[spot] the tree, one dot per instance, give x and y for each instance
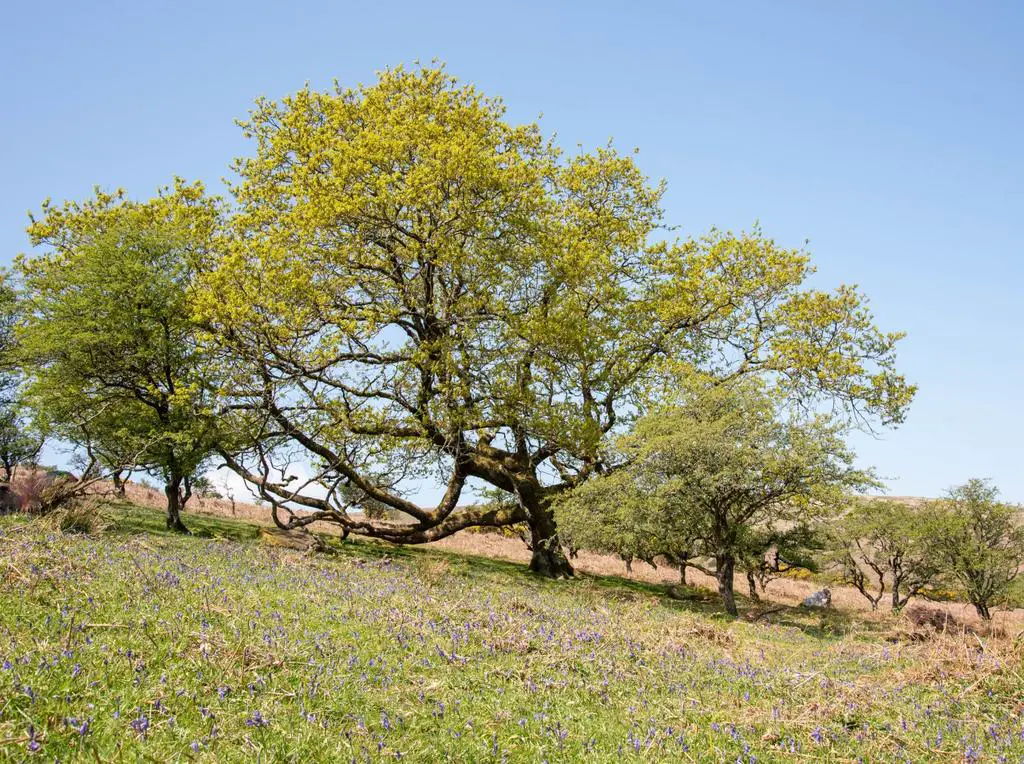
(20, 440)
(771, 550)
(729, 466)
(418, 291)
(978, 541)
(879, 542)
(108, 337)
(625, 514)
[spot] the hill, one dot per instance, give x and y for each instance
(134, 644)
(789, 590)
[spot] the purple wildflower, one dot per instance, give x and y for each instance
(256, 720)
(141, 724)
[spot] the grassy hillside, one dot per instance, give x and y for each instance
(137, 645)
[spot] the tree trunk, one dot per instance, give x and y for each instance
(983, 611)
(118, 483)
(898, 601)
(682, 571)
(174, 504)
(752, 585)
(725, 565)
(548, 559)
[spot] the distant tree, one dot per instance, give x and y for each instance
(726, 464)
(879, 543)
(20, 440)
(419, 290)
(978, 541)
(770, 551)
(108, 339)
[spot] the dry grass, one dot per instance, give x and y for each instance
(82, 515)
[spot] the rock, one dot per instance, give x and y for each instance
(820, 599)
(303, 541)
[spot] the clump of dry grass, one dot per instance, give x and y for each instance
(433, 571)
(79, 516)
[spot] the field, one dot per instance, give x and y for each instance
(137, 645)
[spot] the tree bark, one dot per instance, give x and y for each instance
(898, 601)
(983, 611)
(172, 490)
(118, 483)
(725, 566)
(548, 558)
(752, 585)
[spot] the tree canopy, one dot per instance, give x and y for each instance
(108, 337)
(417, 290)
(978, 542)
(715, 475)
(20, 439)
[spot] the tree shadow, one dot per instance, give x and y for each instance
(129, 519)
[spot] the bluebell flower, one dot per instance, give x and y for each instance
(141, 724)
(256, 719)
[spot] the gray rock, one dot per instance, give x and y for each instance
(819, 599)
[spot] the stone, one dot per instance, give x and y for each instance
(820, 599)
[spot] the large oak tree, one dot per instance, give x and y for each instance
(418, 290)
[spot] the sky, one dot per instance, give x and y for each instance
(888, 136)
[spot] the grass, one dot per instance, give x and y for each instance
(138, 645)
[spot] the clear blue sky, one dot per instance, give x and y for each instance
(888, 134)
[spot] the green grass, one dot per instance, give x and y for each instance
(139, 645)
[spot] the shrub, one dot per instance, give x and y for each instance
(41, 492)
(933, 618)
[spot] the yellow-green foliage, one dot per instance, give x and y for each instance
(418, 281)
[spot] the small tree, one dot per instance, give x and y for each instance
(20, 441)
(879, 543)
(726, 463)
(978, 541)
(623, 514)
(770, 551)
(108, 338)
